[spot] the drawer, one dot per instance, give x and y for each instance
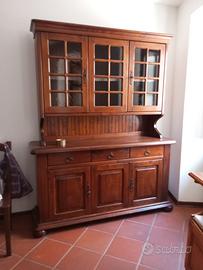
(110, 154)
(68, 158)
(146, 151)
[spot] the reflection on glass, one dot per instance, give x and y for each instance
(101, 68)
(139, 85)
(101, 84)
(74, 83)
(139, 99)
(151, 100)
(101, 52)
(140, 55)
(75, 99)
(116, 84)
(117, 69)
(56, 65)
(57, 83)
(101, 99)
(56, 47)
(116, 53)
(74, 50)
(153, 86)
(154, 56)
(58, 100)
(153, 70)
(140, 70)
(115, 99)
(74, 67)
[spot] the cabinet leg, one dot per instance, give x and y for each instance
(168, 208)
(39, 233)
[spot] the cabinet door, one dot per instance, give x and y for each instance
(64, 73)
(108, 64)
(69, 192)
(146, 75)
(110, 187)
(145, 181)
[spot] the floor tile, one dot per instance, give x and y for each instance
(143, 267)
(111, 263)
(161, 261)
(28, 265)
(134, 230)
(95, 240)
(143, 218)
(79, 259)
(66, 235)
(107, 226)
(7, 262)
(49, 252)
(126, 249)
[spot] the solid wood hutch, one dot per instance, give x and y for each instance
(101, 90)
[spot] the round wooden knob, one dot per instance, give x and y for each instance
(146, 153)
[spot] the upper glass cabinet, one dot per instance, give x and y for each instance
(65, 69)
(146, 76)
(108, 74)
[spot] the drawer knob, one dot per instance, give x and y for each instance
(111, 155)
(146, 153)
(68, 159)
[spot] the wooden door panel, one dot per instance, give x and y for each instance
(145, 184)
(69, 192)
(110, 187)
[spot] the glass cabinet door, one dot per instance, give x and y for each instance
(64, 67)
(146, 77)
(108, 75)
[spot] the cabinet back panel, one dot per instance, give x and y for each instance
(63, 126)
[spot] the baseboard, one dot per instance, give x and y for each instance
(188, 203)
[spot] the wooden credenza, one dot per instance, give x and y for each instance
(101, 90)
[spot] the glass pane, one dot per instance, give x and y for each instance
(75, 99)
(140, 55)
(56, 48)
(101, 84)
(101, 68)
(74, 50)
(56, 65)
(116, 100)
(139, 99)
(153, 70)
(116, 84)
(153, 86)
(74, 67)
(140, 70)
(117, 53)
(139, 85)
(154, 56)
(151, 100)
(58, 100)
(117, 69)
(101, 52)
(57, 83)
(74, 83)
(101, 99)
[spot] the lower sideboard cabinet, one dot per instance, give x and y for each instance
(74, 187)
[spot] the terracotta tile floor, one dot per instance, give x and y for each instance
(136, 242)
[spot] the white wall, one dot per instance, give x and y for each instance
(18, 95)
(186, 124)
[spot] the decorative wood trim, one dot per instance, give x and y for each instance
(77, 29)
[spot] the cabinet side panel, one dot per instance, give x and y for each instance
(165, 172)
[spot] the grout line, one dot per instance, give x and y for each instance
(68, 251)
(181, 256)
(137, 222)
(150, 230)
(121, 259)
(44, 265)
(23, 257)
(169, 229)
(114, 235)
(149, 267)
(90, 229)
